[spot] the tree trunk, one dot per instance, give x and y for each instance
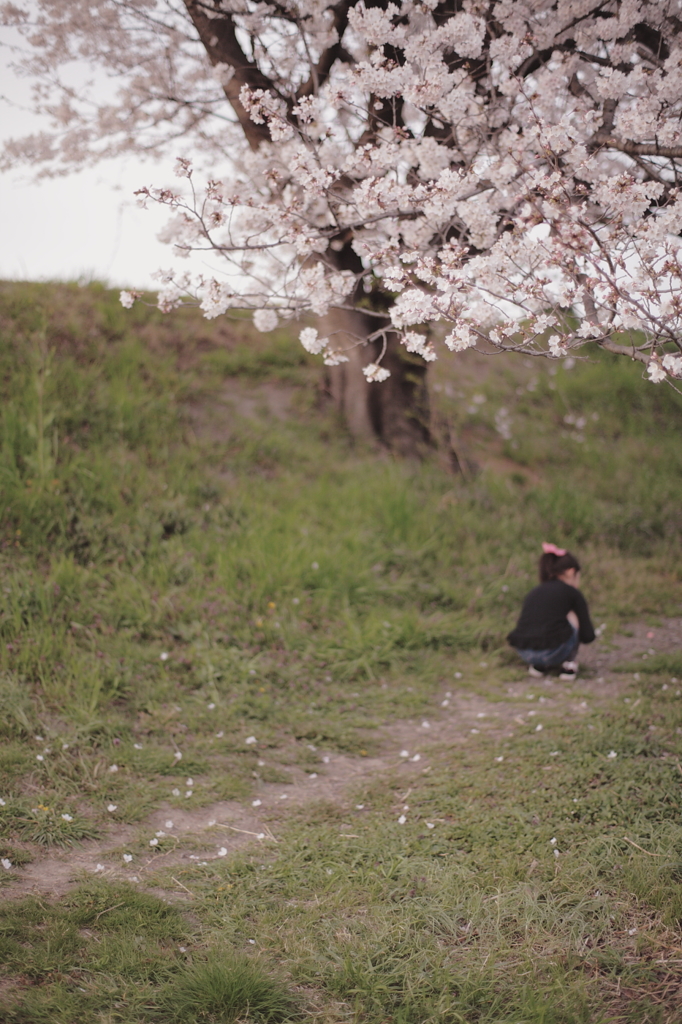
(396, 411)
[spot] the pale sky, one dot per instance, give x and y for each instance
(86, 225)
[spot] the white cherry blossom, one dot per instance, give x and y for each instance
(373, 372)
(265, 320)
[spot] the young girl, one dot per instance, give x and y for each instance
(554, 619)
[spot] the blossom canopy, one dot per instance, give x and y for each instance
(507, 170)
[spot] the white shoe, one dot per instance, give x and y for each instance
(569, 670)
(535, 673)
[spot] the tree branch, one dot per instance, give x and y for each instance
(623, 350)
(635, 148)
(320, 72)
(219, 39)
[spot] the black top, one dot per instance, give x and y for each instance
(543, 625)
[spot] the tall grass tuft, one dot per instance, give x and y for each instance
(227, 988)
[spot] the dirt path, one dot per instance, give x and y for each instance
(404, 746)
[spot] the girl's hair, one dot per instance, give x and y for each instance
(552, 566)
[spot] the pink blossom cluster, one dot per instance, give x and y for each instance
(501, 175)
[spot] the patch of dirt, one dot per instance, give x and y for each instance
(213, 417)
(636, 640)
(404, 747)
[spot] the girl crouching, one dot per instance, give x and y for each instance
(554, 618)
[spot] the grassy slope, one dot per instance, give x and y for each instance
(282, 569)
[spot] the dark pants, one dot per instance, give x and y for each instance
(555, 657)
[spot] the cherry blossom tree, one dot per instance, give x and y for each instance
(414, 176)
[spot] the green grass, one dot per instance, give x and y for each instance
(169, 588)
(655, 664)
(228, 988)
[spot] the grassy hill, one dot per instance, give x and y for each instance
(189, 538)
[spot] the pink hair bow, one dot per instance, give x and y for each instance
(552, 549)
